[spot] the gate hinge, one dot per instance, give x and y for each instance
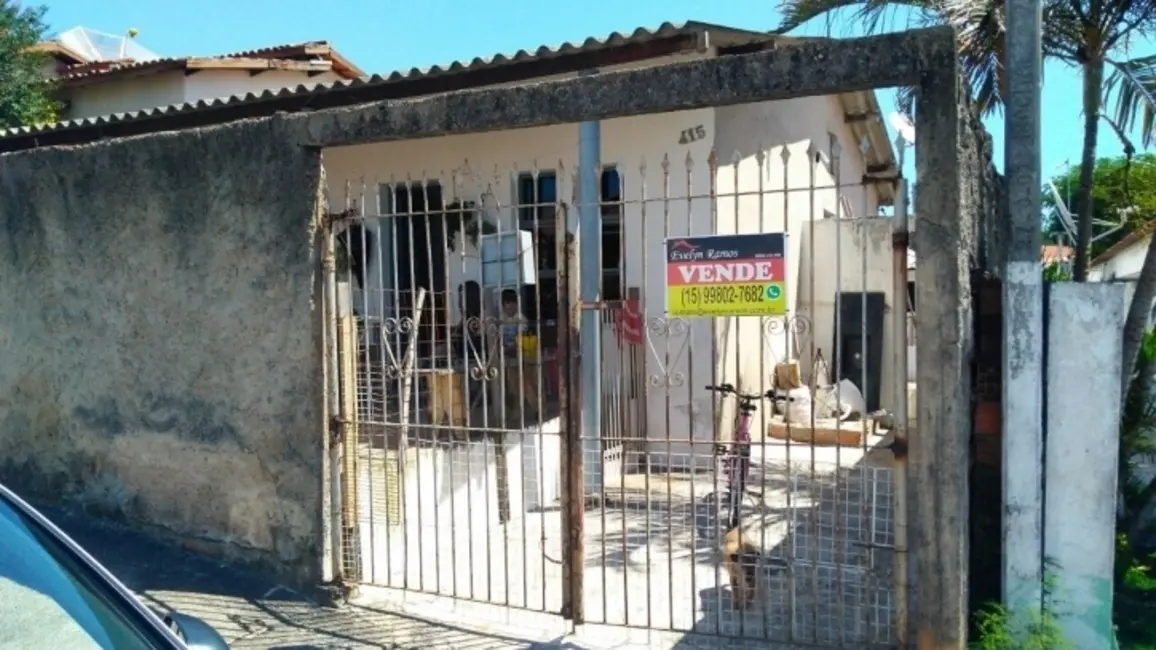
(335, 430)
(334, 218)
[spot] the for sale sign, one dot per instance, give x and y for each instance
(727, 275)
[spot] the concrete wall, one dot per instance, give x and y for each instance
(160, 353)
(1124, 267)
(1083, 420)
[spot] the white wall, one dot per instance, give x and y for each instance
(1124, 265)
(122, 94)
(849, 256)
(794, 137)
(213, 84)
(658, 203)
(126, 94)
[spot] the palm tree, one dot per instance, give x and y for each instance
(1088, 34)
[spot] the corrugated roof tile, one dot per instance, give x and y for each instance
(615, 39)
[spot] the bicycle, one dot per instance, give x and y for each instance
(736, 456)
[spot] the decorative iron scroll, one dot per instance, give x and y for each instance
(663, 329)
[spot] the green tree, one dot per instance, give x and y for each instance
(1086, 34)
(1117, 184)
(25, 96)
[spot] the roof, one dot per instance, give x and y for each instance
(94, 45)
(861, 109)
(315, 56)
(59, 51)
(1127, 241)
(1054, 253)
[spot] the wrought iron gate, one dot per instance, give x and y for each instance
(475, 465)
(449, 393)
(820, 521)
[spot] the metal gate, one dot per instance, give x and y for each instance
(826, 495)
(524, 414)
(449, 390)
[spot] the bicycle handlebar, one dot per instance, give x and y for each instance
(728, 389)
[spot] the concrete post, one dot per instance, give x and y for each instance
(590, 283)
(1023, 305)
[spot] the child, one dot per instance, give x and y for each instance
(512, 321)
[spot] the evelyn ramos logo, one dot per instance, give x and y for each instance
(683, 245)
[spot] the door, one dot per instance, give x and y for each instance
(859, 344)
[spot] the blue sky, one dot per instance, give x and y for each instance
(386, 35)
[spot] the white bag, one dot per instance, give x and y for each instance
(799, 405)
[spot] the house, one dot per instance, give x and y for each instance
(100, 74)
(779, 166)
(814, 168)
(1056, 254)
(183, 257)
(1123, 260)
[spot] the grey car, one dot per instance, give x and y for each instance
(54, 595)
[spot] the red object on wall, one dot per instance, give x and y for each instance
(628, 322)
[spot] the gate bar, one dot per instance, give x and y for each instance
(573, 481)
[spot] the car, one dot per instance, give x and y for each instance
(54, 595)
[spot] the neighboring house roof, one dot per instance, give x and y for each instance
(1053, 253)
(1127, 241)
(861, 109)
(60, 51)
(316, 56)
(95, 45)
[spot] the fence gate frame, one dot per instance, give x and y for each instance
(946, 240)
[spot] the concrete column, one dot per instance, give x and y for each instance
(590, 287)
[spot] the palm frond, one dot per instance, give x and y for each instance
(874, 15)
(1130, 90)
(981, 30)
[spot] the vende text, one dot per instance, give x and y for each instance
(757, 271)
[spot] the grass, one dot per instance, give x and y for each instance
(1136, 606)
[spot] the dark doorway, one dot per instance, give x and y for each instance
(859, 350)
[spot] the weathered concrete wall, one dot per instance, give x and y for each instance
(160, 353)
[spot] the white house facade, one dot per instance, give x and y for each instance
(771, 167)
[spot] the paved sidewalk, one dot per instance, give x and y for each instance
(253, 612)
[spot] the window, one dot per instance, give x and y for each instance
(410, 199)
(58, 597)
(416, 235)
(537, 200)
(611, 202)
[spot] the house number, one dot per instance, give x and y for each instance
(690, 135)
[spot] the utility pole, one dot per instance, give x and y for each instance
(1023, 315)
